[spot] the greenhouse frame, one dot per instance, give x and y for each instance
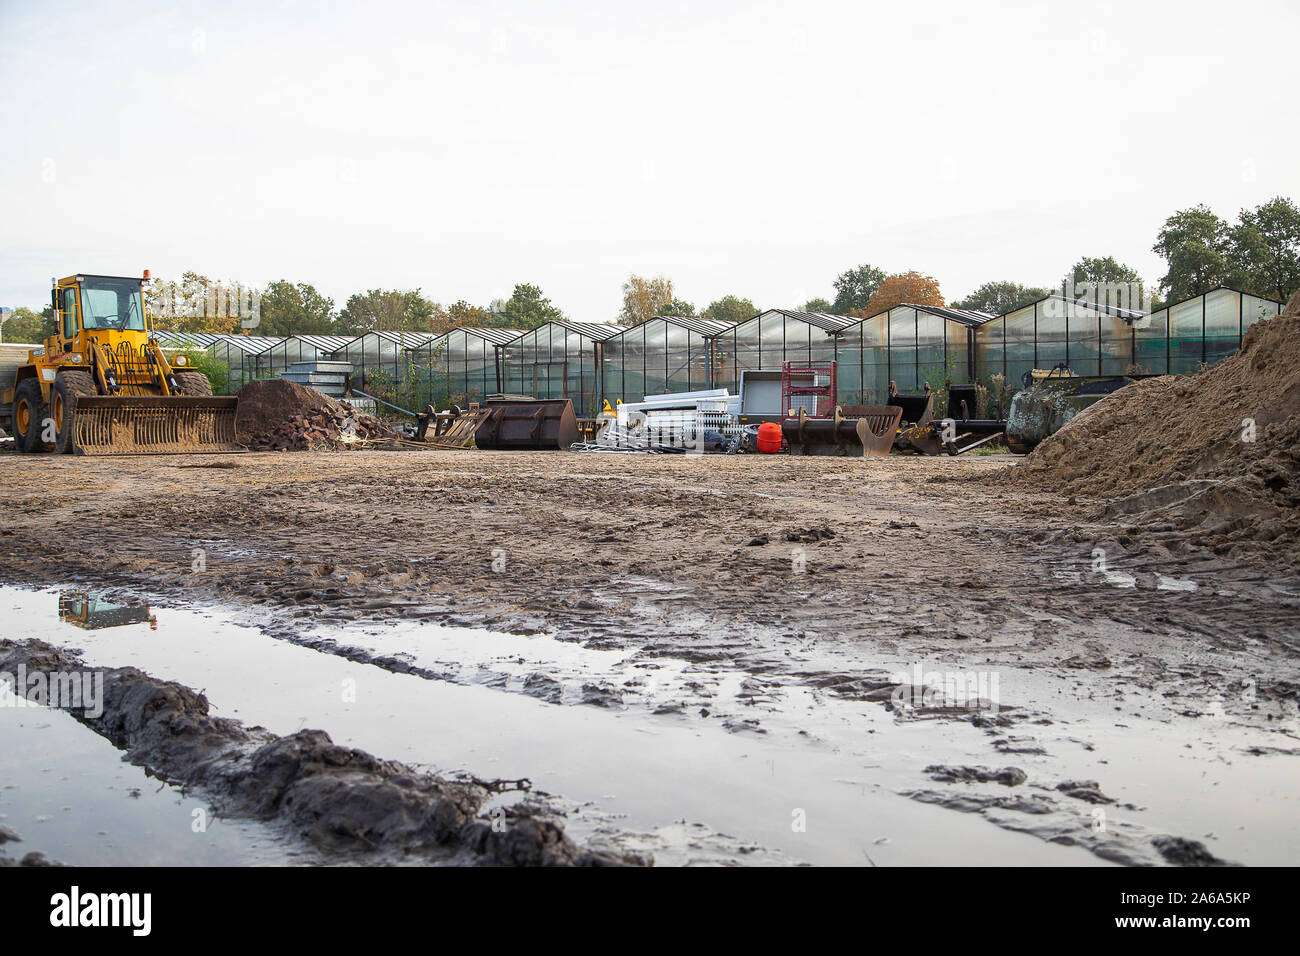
(1198, 331)
(910, 345)
(469, 359)
(382, 355)
(558, 360)
(237, 352)
(772, 338)
(1091, 338)
(661, 355)
(275, 359)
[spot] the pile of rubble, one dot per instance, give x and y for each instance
(277, 415)
(343, 429)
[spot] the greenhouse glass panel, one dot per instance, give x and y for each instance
(1021, 355)
(958, 348)
(931, 361)
(682, 350)
(1253, 309)
(990, 350)
(1082, 334)
(1186, 341)
(1052, 332)
(1223, 317)
(1151, 343)
(902, 349)
(1116, 345)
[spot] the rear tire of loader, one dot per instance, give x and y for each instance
(193, 383)
(29, 415)
(68, 387)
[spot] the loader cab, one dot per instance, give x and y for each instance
(108, 310)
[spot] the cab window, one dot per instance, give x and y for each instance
(69, 313)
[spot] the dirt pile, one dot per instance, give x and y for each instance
(1218, 451)
(277, 415)
(337, 798)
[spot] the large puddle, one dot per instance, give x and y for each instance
(816, 780)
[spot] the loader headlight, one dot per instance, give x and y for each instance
(75, 358)
(180, 360)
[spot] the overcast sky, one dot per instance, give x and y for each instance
(750, 148)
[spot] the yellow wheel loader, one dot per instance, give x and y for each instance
(102, 386)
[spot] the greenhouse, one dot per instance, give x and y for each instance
(663, 354)
(772, 338)
(558, 360)
(1201, 330)
(270, 362)
(381, 358)
(237, 352)
(1089, 337)
(468, 358)
(909, 345)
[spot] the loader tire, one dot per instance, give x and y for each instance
(29, 415)
(193, 383)
(68, 387)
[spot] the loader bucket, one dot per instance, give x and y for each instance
(528, 425)
(870, 434)
(154, 425)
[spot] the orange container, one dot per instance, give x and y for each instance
(769, 437)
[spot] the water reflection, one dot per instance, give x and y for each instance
(92, 612)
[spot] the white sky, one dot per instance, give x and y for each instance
(750, 148)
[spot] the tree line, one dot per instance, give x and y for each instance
(1258, 253)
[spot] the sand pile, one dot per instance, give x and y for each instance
(1218, 451)
(277, 415)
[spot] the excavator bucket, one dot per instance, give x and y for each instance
(154, 425)
(528, 425)
(868, 434)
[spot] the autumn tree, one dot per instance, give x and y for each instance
(905, 288)
(731, 309)
(462, 314)
(1000, 297)
(195, 304)
(644, 298)
(295, 309)
(854, 288)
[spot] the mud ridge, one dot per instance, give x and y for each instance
(338, 799)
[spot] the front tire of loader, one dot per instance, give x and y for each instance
(29, 415)
(68, 387)
(193, 383)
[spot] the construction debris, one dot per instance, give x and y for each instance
(279, 415)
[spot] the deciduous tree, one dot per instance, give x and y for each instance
(730, 308)
(905, 288)
(295, 309)
(25, 325)
(1194, 244)
(1264, 249)
(644, 298)
(854, 288)
(997, 298)
(391, 310)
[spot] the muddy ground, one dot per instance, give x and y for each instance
(776, 575)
